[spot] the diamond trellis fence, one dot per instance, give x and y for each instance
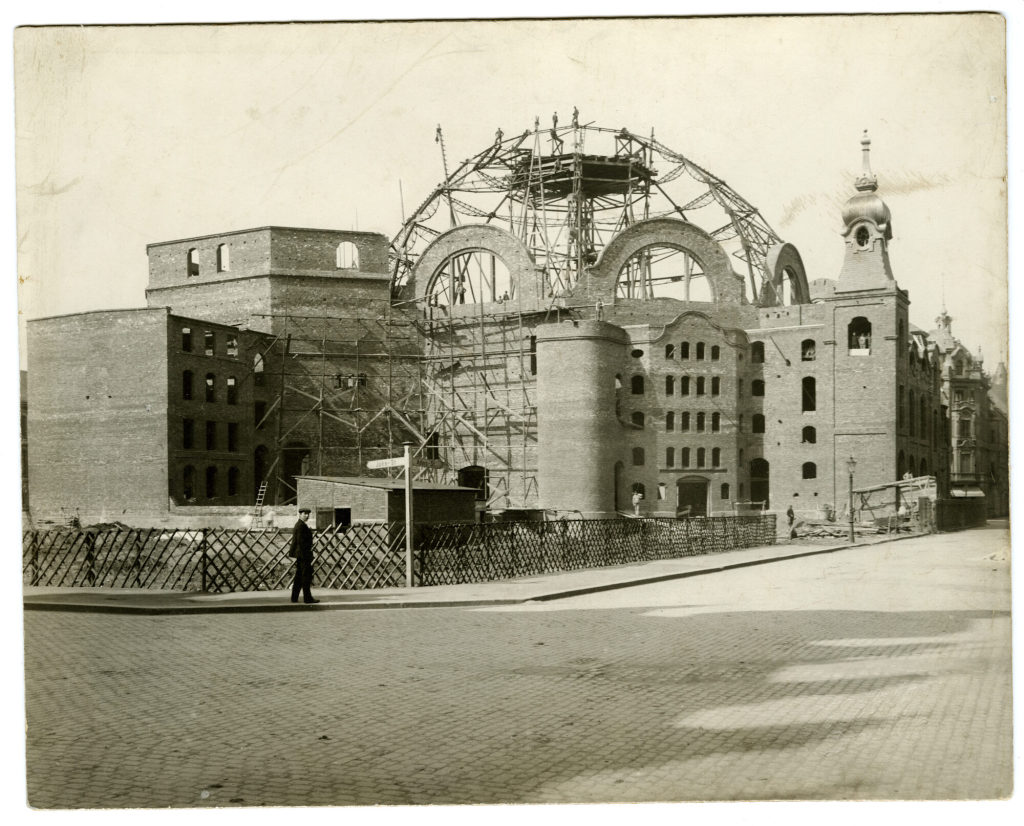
(362, 557)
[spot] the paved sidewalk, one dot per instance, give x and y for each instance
(501, 592)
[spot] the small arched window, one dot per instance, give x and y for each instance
(700, 385)
(211, 482)
(684, 386)
(700, 351)
(670, 351)
(638, 487)
(716, 385)
(701, 453)
(684, 350)
(670, 421)
(716, 422)
(670, 457)
(809, 396)
(686, 457)
(757, 387)
(192, 262)
(186, 385)
(757, 352)
(700, 422)
(223, 258)
(724, 494)
(716, 352)
(232, 481)
(232, 394)
(809, 435)
(808, 351)
(638, 456)
(637, 385)
(209, 343)
(637, 419)
(810, 470)
(757, 423)
(186, 339)
(685, 421)
(258, 376)
(716, 456)
(211, 387)
(859, 335)
(670, 385)
(347, 256)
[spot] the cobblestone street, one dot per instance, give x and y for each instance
(871, 673)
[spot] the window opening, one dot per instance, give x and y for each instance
(685, 424)
(670, 351)
(716, 352)
(807, 350)
(211, 482)
(716, 385)
(637, 385)
(346, 257)
(716, 422)
(757, 352)
(700, 351)
(187, 434)
(757, 423)
(700, 422)
(233, 437)
(638, 456)
(810, 394)
(670, 385)
(209, 343)
(670, 456)
(186, 385)
(223, 258)
(211, 389)
(701, 453)
(232, 481)
(809, 435)
(186, 339)
(637, 419)
(859, 336)
(670, 421)
(757, 387)
(716, 457)
(232, 391)
(192, 264)
(211, 435)
(810, 470)
(700, 385)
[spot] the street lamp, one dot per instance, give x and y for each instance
(851, 463)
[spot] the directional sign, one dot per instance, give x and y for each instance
(379, 464)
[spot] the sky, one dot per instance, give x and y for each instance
(132, 135)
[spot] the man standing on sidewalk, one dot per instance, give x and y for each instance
(302, 552)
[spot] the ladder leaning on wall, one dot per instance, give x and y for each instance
(257, 511)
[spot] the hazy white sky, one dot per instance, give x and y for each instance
(126, 136)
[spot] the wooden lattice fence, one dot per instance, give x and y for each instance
(362, 557)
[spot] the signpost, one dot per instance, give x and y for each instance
(402, 462)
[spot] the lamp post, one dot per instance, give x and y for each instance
(851, 463)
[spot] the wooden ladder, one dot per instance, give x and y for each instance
(257, 512)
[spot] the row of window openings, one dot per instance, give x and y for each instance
(209, 342)
(188, 482)
(919, 421)
(188, 382)
(346, 257)
(808, 387)
(809, 470)
(188, 435)
(684, 351)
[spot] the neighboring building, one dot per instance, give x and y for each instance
(637, 360)
(978, 422)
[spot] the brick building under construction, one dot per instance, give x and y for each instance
(559, 325)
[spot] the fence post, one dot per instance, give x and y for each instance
(202, 550)
(90, 557)
(33, 553)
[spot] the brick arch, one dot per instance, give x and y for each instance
(726, 286)
(503, 244)
(780, 258)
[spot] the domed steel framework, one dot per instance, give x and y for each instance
(565, 192)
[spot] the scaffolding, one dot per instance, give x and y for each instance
(453, 370)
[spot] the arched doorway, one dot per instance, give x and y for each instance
(759, 481)
(692, 497)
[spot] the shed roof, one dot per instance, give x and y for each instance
(384, 483)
